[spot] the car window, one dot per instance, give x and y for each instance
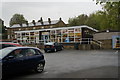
(56, 43)
(17, 53)
(29, 52)
(37, 51)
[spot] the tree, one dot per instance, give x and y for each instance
(109, 18)
(98, 20)
(17, 19)
(93, 21)
(112, 10)
(2, 30)
(79, 20)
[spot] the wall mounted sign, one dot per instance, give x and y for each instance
(116, 42)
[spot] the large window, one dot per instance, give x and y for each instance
(28, 37)
(71, 35)
(52, 35)
(77, 34)
(65, 35)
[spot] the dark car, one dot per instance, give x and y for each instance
(20, 59)
(9, 44)
(52, 46)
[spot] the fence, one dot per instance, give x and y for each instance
(90, 41)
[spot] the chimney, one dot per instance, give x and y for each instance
(49, 20)
(27, 23)
(60, 19)
(41, 20)
(20, 24)
(33, 21)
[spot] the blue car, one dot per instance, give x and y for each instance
(19, 59)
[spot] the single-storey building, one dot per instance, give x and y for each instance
(62, 34)
(51, 31)
(110, 39)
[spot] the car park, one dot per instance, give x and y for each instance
(52, 46)
(9, 44)
(20, 59)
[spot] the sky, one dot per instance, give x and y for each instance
(54, 9)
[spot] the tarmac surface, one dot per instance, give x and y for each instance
(77, 64)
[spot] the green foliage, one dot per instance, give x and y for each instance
(91, 21)
(79, 20)
(98, 20)
(2, 30)
(109, 18)
(17, 19)
(2, 27)
(113, 14)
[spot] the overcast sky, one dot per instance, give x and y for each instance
(34, 9)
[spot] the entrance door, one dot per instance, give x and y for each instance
(46, 38)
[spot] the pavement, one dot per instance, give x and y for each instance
(78, 64)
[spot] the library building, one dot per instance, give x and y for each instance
(72, 34)
(40, 32)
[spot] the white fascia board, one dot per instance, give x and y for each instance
(84, 26)
(89, 28)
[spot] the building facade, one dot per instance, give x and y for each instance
(73, 34)
(40, 24)
(52, 31)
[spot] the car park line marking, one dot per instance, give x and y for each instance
(45, 72)
(116, 52)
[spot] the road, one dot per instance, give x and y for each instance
(78, 64)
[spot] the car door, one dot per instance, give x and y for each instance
(58, 47)
(32, 58)
(13, 62)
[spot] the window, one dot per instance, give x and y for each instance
(17, 53)
(56, 43)
(37, 51)
(29, 52)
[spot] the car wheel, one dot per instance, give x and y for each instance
(62, 48)
(46, 51)
(39, 68)
(55, 50)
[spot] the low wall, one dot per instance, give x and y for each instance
(106, 44)
(85, 47)
(76, 46)
(69, 45)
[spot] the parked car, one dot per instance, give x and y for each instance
(9, 44)
(20, 59)
(52, 46)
